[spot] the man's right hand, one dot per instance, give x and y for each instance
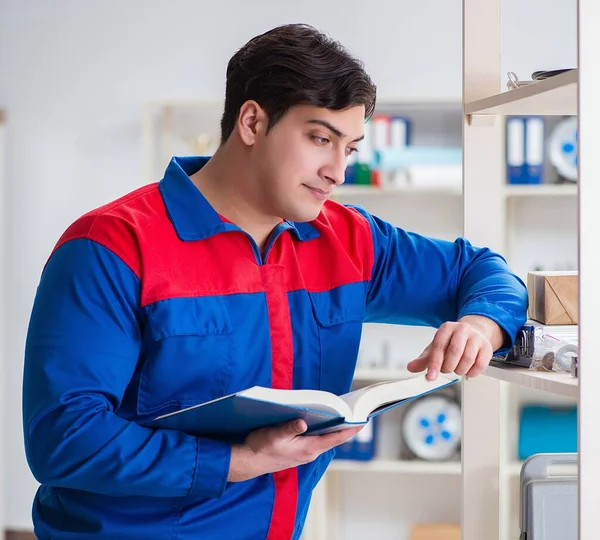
(273, 449)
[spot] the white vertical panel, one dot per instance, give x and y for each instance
(589, 267)
(504, 485)
(148, 145)
(483, 226)
(322, 518)
(3, 314)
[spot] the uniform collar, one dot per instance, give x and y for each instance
(192, 215)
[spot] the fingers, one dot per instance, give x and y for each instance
(339, 437)
(289, 430)
(324, 442)
(456, 347)
(278, 448)
(481, 362)
(437, 351)
(295, 428)
(308, 448)
(419, 364)
(468, 358)
(456, 352)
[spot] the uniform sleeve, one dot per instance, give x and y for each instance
(82, 349)
(422, 281)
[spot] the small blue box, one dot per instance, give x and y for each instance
(547, 430)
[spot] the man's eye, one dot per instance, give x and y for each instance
(320, 140)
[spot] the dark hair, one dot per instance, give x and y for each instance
(294, 64)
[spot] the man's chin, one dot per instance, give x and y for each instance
(304, 215)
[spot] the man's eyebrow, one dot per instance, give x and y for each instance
(332, 128)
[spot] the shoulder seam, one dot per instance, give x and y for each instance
(105, 247)
(131, 197)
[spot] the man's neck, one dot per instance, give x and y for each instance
(226, 186)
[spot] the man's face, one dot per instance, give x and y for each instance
(303, 157)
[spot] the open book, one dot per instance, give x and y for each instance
(232, 417)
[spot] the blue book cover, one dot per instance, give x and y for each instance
(524, 150)
(362, 446)
(534, 149)
(515, 150)
(233, 417)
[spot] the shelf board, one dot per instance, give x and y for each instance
(396, 466)
(381, 374)
(354, 190)
(555, 383)
(510, 191)
(383, 103)
(567, 469)
(554, 96)
(541, 190)
(419, 103)
(186, 103)
(514, 468)
(450, 468)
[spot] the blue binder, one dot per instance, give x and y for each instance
(362, 446)
(525, 149)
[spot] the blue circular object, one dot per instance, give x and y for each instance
(432, 428)
(563, 148)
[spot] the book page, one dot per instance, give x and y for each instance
(366, 400)
(309, 399)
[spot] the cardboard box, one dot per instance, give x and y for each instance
(553, 297)
(435, 531)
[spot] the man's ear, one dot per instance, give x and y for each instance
(252, 121)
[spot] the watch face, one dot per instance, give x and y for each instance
(432, 428)
(563, 148)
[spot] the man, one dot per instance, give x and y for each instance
(233, 272)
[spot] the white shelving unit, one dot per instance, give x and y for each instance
(540, 190)
(490, 470)
(484, 494)
(395, 466)
(555, 96)
(3, 313)
(557, 383)
(510, 191)
(342, 193)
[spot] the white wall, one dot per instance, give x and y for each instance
(74, 75)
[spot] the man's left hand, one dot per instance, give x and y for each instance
(464, 347)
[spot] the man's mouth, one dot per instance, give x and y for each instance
(321, 194)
